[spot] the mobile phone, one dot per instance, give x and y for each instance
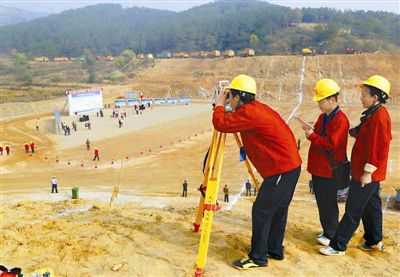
(299, 118)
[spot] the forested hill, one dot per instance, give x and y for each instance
(108, 29)
(10, 16)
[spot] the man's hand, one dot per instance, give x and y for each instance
(365, 179)
(307, 129)
(220, 99)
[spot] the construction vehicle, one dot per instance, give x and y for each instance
(149, 56)
(61, 59)
(164, 55)
(307, 51)
(213, 54)
(180, 55)
(248, 52)
(197, 55)
(41, 59)
(228, 53)
(110, 58)
(350, 51)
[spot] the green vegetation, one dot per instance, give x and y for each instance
(108, 29)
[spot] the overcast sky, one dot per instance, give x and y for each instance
(56, 6)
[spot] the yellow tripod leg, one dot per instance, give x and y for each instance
(211, 155)
(253, 177)
(209, 208)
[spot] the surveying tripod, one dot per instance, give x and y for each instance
(208, 204)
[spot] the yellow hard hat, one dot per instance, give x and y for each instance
(244, 83)
(325, 88)
(378, 82)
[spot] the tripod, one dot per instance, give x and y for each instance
(207, 203)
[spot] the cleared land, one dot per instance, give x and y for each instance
(149, 229)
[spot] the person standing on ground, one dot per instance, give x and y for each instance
(96, 154)
(226, 193)
(74, 125)
(87, 144)
(271, 147)
(329, 136)
(32, 147)
(8, 150)
(54, 184)
(369, 158)
(248, 188)
(37, 126)
(185, 187)
(1, 150)
(26, 145)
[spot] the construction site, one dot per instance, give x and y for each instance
(130, 218)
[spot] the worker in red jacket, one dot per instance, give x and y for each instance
(8, 150)
(32, 147)
(96, 154)
(271, 147)
(26, 148)
(328, 137)
(368, 168)
(1, 150)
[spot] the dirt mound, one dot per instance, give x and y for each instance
(275, 75)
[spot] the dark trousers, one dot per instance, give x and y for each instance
(269, 215)
(184, 193)
(96, 157)
(362, 203)
(226, 198)
(248, 191)
(54, 187)
(326, 196)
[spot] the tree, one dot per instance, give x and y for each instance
(254, 41)
(21, 59)
(128, 54)
(116, 75)
(22, 73)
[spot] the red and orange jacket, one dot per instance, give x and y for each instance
(268, 141)
(334, 141)
(96, 152)
(372, 146)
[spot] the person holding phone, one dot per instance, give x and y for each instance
(271, 147)
(329, 136)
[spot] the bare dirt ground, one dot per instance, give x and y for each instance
(148, 231)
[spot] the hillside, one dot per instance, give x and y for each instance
(270, 29)
(278, 79)
(9, 16)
